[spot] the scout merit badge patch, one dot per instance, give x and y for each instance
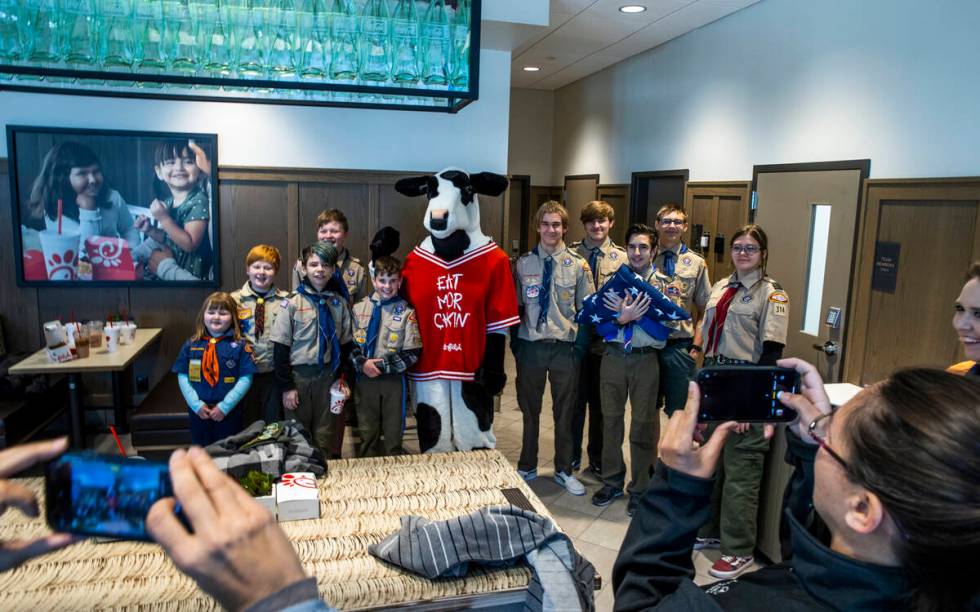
(194, 370)
(360, 336)
(244, 313)
(779, 300)
(533, 291)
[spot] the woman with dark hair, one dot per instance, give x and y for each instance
(966, 322)
(894, 475)
(745, 323)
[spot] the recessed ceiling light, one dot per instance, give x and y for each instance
(632, 8)
(531, 69)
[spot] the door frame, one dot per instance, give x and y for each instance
(864, 166)
(891, 189)
(525, 213)
(637, 209)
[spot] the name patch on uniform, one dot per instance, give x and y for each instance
(244, 313)
(566, 262)
(779, 297)
(746, 299)
(229, 379)
(396, 318)
(360, 336)
(532, 291)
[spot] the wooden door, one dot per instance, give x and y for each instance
(651, 190)
(930, 230)
(617, 196)
(518, 203)
(579, 191)
(715, 210)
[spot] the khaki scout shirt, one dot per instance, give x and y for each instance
(611, 257)
(640, 337)
(689, 288)
(351, 270)
(758, 313)
(398, 330)
(247, 300)
(297, 326)
(571, 283)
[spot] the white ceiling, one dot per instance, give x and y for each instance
(585, 36)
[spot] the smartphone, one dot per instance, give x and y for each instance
(746, 394)
(103, 495)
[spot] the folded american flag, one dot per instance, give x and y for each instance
(624, 282)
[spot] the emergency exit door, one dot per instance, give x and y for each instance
(715, 211)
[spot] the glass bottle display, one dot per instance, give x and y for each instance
(11, 17)
(117, 34)
(343, 41)
(82, 28)
(150, 52)
(374, 42)
(251, 43)
(282, 45)
(182, 32)
(219, 48)
(45, 31)
(314, 37)
(435, 44)
(405, 43)
(461, 44)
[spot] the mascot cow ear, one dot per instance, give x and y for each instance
(415, 186)
(385, 242)
(488, 183)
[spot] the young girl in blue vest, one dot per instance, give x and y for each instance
(215, 369)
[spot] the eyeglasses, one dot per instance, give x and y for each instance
(818, 431)
(748, 249)
(672, 222)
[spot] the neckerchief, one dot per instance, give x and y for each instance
(669, 262)
(594, 264)
(375, 324)
(210, 368)
(260, 311)
(544, 296)
(325, 323)
(721, 313)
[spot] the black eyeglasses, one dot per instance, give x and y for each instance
(672, 222)
(748, 249)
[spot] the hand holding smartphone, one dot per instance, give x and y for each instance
(747, 394)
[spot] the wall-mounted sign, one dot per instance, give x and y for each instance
(885, 276)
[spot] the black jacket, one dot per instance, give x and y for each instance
(655, 570)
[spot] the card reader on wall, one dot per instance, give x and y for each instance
(833, 317)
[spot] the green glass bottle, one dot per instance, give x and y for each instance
(116, 30)
(461, 44)
(373, 42)
(46, 29)
(314, 33)
(219, 45)
(405, 43)
(343, 41)
(150, 48)
(251, 43)
(182, 34)
(435, 44)
(282, 43)
(82, 27)
(11, 24)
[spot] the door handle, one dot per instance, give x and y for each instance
(830, 347)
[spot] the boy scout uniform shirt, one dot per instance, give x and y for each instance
(247, 300)
(297, 326)
(571, 283)
(758, 313)
(689, 288)
(641, 338)
(234, 361)
(351, 271)
(398, 330)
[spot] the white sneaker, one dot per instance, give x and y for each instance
(528, 475)
(571, 483)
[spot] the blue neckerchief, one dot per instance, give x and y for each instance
(669, 263)
(375, 324)
(661, 308)
(325, 323)
(594, 264)
(544, 296)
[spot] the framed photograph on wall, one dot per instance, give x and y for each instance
(114, 208)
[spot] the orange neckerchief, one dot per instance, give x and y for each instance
(209, 362)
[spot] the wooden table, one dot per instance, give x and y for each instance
(99, 360)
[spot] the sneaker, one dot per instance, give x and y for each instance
(576, 465)
(571, 483)
(631, 505)
(706, 543)
(528, 475)
(606, 495)
(730, 566)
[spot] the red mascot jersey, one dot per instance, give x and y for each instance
(458, 303)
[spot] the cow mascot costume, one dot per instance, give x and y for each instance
(460, 283)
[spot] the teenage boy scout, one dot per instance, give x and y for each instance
(552, 282)
(630, 370)
(604, 259)
(310, 349)
(386, 343)
(684, 275)
(258, 304)
(332, 227)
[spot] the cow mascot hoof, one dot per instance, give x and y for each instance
(459, 282)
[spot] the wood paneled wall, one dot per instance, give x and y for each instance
(258, 205)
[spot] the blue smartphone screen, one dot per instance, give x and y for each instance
(103, 495)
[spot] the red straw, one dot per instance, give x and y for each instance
(59, 215)
(122, 451)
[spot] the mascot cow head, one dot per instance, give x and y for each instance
(454, 209)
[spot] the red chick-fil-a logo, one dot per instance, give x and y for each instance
(291, 480)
